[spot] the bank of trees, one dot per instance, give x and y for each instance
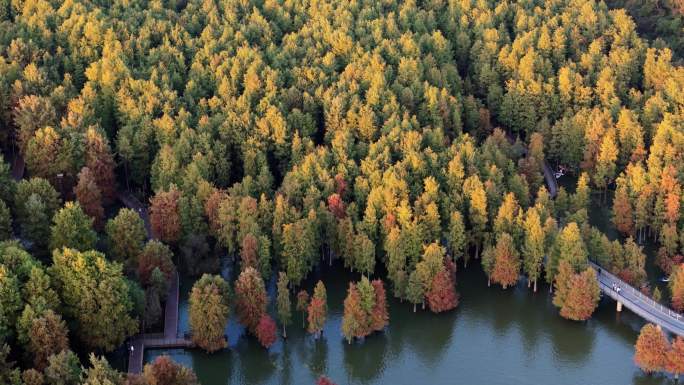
(378, 137)
(654, 353)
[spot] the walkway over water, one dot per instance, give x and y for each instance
(638, 303)
(168, 339)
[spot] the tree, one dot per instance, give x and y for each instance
(506, 268)
(533, 248)
(415, 290)
(379, 315)
(457, 237)
(353, 317)
(676, 285)
(47, 335)
(317, 312)
(568, 246)
(250, 298)
(35, 226)
(165, 215)
(63, 369)
(94, 291)
(155, 255)
(72, 228)
(622, 211)
(209, 312)
(266, 331)
(101, 373)
(5, 222)
(442, 295)
(650, 351)
(582, 296)
(364, 251)
(163, 371)
(303, 304)
(89, 196)
(99, 159)
(675, 357)
(125, 235)
(284, 304)
(323, 380)
(10, 302)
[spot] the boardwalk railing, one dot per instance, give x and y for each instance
(638, 303)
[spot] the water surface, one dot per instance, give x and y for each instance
(494, 337)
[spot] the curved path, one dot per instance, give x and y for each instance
(639, 303)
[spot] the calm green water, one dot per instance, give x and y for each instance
(494, 337)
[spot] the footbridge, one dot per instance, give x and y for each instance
(638, 303)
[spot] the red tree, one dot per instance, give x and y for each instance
(211, 210)
(651, 349)
(89, 196)
(155, 255)
(165, 215)
(379, 315)
(266, 331)
(249, 252)
(675, 357)
(340, 185)
(164, 371)
(323, 380)
(99, 159)
(250, 298)
(442, 294)
(336, 206)
(316, 314)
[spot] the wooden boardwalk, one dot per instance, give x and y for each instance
(167, 340)
(639, 303)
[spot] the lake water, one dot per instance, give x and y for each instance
(493, 337)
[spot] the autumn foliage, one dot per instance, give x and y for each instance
(323, 380)
(650, 352)
(250, 298)
(164, 371)
(89, 197)
(266, 331)
(577, 294)
(365, 309)
(442, 294)
(506, 267)
(165, 216)
(676, 285)
(675, 357)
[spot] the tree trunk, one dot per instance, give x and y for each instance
(284, 332)
(535, 286)
(414, 307)
(529, 283)
(489, 282)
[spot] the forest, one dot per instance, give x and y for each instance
(406, 139)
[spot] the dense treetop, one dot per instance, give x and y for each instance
(409, 134)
